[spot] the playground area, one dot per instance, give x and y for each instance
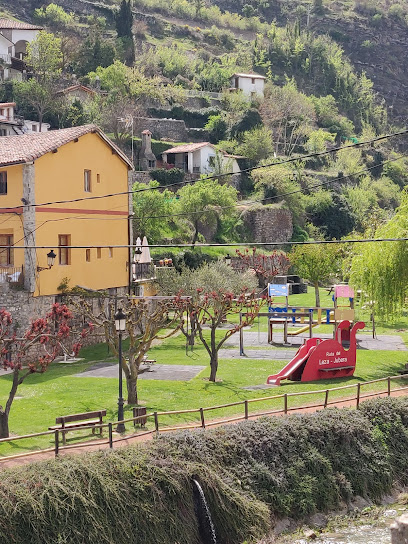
(323, 357)
(179, 378)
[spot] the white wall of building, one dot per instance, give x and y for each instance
(249, 85)
(25, 35)
(31, 127)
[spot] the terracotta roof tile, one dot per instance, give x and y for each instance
(76, 87)
(17, 25)
(29, 147)
(187, 148)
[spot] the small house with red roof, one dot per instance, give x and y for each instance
(200, 158)
(14, 38)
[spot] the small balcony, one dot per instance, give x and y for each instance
(143, 271)
(11, 274)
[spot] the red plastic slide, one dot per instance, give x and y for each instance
(320, 359)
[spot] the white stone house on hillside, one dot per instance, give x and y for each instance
(11, 124)
(14, 38)
(252, 85)
(200, 158)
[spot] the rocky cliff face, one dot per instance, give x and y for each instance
(380, 52)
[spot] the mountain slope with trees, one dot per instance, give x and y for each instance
(147, 58)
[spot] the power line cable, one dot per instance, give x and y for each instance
(281, 195)
(217, 176)
(228, 244)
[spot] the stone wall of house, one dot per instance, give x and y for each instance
(171, 129)
(141, 177)
(268, 224)
(24, 307)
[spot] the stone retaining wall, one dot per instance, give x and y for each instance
(172, 129)
(269, 224)
(24, 307)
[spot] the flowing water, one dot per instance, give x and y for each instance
(206, 523)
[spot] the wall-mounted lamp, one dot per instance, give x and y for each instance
(50, 259)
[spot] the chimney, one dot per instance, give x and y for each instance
(146, 143)
(147, 159)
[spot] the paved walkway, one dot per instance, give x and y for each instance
(383, 342)
(182, 373)
(267, 354)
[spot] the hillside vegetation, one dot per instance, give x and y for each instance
(150, 57)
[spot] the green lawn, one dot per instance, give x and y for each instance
(42, 398)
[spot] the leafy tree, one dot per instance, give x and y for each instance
(216, 127)
(318, 140)
(217, 294)
(204, 201)
(333, 216)
(44, 56)
(362, 199)
(277, 180)
(40, 96)
(388, 193)
(75, 115)
(380, 269)
(150, 209)
(54, 16)
(51, 335)
(317, 263)
(121, 81)
(397, 170)
(256, 144)
(289, 114)
(146, 321)
(94, 52)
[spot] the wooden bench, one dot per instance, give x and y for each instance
(75, 421)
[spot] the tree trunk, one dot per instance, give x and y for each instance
(131, 384)
(214, 355)
(195, 237)
(317, 293)
(214, 367)
(4, 427)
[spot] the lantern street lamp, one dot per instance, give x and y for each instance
(228, 259)
(138, 254)
(120, 326)
(50, 260)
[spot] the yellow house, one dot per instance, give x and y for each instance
(53, 195)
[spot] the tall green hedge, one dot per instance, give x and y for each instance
(250, 472)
